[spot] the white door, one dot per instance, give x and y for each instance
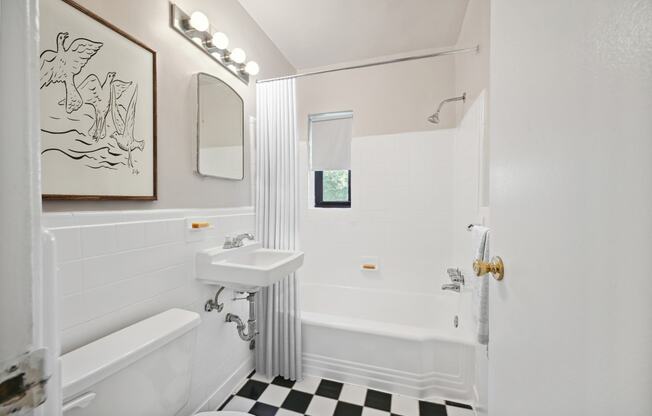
(571, 204)
(25, 298)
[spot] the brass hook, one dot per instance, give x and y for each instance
(495, 267)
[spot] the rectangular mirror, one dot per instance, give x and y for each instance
(220, 129)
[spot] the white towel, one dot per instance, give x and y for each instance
(480, 244)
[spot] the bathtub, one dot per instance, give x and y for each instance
(399, 342)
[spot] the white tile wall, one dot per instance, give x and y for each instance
(116, 268)
(402, 213)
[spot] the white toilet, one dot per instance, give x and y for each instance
(142, 370)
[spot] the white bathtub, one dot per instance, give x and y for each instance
(403, 343)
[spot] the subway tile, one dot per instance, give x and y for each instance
(98, 239)
(115, 274)
(68, 243)
(176, 254)
(168, 279)
(73, 310)
(162, 232)
(105, 299)
(103, 270)
(70, 276)
(130, 235)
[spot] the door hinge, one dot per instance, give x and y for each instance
(22, 383)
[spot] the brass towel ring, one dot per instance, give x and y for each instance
(495, 267)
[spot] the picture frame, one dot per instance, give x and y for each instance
(98, 108)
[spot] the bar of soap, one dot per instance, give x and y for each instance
(369, 266)
(200, 224)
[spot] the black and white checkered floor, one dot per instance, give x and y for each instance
(320, 397)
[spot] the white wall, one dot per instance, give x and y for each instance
(401, 212)
(118, 268)
(177, 63)
(386, 99)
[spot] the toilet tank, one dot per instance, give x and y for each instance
(142, 370)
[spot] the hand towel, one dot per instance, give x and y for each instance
(480, 244)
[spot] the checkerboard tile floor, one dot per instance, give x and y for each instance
(320, 397)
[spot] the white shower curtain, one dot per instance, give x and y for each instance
(278, 345)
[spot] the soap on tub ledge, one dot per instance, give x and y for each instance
(370, 263)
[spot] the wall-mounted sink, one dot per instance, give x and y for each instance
(246, 268)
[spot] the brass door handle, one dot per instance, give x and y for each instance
(495, 267)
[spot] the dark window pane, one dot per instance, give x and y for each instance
(333, 189)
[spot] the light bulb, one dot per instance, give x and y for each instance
(233, 68)
(198, 41)
(217, 56)
(199, 21)
(238, 56)
(220, 40)
(252, 68)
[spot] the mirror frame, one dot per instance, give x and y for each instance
(242, 129)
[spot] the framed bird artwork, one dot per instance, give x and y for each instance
(98, 108)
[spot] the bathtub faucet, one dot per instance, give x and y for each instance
(455, 287)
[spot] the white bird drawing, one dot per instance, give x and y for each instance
(124, 134)
(98, 95)
(62, 65)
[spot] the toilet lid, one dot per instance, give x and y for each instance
(223, 413)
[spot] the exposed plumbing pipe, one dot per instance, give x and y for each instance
(247, 332)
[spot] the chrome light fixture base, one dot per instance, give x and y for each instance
(179, 20)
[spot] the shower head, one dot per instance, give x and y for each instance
(434, 119)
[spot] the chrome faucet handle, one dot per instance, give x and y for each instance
(453, 272)
(455, 275)
(458, 279)
(228, 242)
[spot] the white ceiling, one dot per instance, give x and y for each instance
(315, 33)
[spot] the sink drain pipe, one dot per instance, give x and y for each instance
(247, 332)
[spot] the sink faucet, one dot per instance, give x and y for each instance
(236, 242)
(455, 287)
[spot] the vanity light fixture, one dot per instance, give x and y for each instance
(198, 21)
(220, 40)
(197, 28)
(252, 68)
(238, 56)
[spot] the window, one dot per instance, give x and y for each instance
(330, 158)
(333, 189)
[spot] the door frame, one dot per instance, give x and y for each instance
(27, 299)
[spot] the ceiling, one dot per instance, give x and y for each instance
(315, 33)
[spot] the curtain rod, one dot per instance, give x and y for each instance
(367, 65)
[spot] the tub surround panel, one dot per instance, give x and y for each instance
(117, 268)
(401, 213)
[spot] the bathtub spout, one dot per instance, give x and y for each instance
(455, 287)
